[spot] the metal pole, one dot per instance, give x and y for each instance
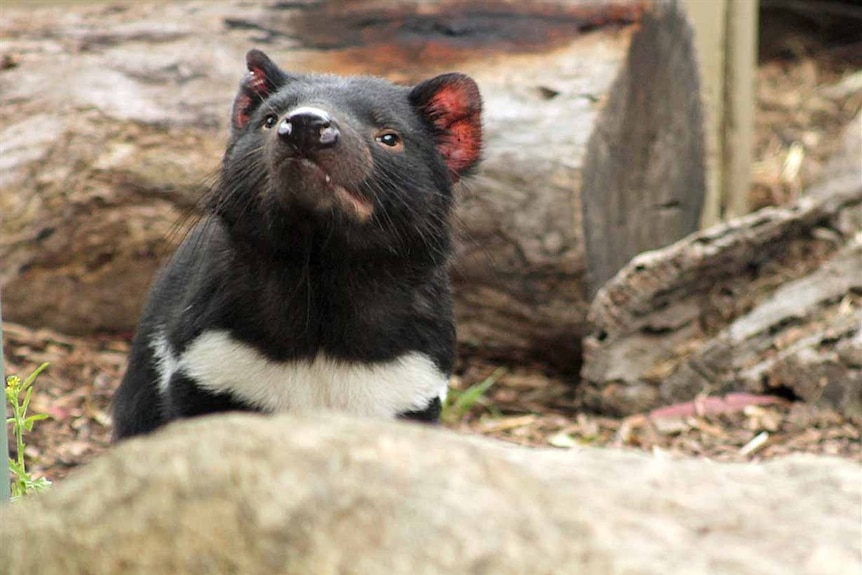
(4, 450)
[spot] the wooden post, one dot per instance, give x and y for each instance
(707, 19)
(725, 36)
(738, 126)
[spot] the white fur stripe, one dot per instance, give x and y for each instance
(219, 363)
(166, 360)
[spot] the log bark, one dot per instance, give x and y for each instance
(114, 118)
(636, 194)
(768, 303)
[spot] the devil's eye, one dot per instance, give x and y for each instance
(269, 121)
(389, 139)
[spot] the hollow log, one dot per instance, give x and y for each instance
(113, 118)
(767, 303)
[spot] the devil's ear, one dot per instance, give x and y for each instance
(263, 78)
(451, 103)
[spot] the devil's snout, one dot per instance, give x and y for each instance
(308, 129)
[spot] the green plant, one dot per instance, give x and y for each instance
(460, 402)
(23, 483)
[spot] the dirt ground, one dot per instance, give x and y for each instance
(809, 90)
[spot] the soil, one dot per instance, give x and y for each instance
(809, 90)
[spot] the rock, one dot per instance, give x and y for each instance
(321, 495)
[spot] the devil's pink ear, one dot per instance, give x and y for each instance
(453, 106)
(263, 78)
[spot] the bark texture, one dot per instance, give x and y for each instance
(767, 303)
(644, 173)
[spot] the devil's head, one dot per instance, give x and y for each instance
(354, 159)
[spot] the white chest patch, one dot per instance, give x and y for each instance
(219, 363)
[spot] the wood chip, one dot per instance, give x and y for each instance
(755, 444)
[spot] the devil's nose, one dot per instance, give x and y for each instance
(308, 128)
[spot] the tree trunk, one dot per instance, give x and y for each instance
(114, 118)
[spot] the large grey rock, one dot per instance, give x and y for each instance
(326, 495)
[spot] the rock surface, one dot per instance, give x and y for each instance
(326, 495)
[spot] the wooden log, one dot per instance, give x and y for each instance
(765, 303)
(113, 116)
(636, 193)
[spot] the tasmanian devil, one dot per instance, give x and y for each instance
(318, 278)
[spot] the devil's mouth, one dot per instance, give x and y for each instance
(345, 196)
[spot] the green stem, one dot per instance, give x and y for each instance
(19, 436)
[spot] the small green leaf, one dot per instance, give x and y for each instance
(32, 377)
(461, 402)
(26, 403)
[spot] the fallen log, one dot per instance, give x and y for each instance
(767, 303)
(114, 117)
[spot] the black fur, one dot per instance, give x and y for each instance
(290, 274)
